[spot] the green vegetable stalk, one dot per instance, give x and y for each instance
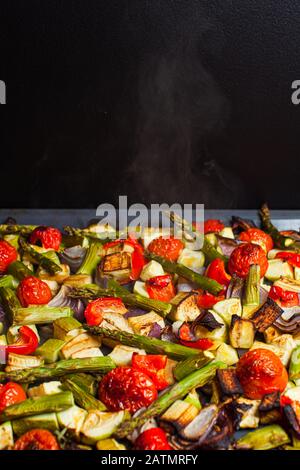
(251, 298)
(38, 258)
(104, 237)
(7, 281)
(99, 365)
(9, 301)
(280, 240)
(197, 379)
(16, 229)
(266, 438)
(39, 314)
(92, 258)
(189, 365)
(82, 398)
(19, 271)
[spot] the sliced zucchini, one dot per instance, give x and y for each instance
(100, 425)
(193, 399)
(266, 438)
(227, 232)
(294, 370)
(297, 273)
(66, 328)
(151, 269)
(249, 412)
(46, 388)
(6, 435)
(286, 344)
(140, 288)
(227, 354)
(277, 269)
(110, 444)
(122, 355)
(49, 351)
(192, 259)
(241, 333)
(44, 421)
(72, 418)
(228, 307)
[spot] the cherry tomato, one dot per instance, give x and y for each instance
(284, 297)
(26, 344)
(152, 365)
(255, 235)
(125, 388)
(261, 372)
(206, 300)
(8, 254)
(33, 291)
(161, 288)
(292, 258)
(49, 237)
(216, 271)
(213, 225)
(168, 248)
(152, 439)
(10, 394)
(244, 256)
(37, 439)
(97, 308)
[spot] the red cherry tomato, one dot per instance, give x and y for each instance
(10, 394)
(284, 297)
(49, 237)
(26, 344)
(292, 258)
(216, 271)
(255, 235)
(261, 372)
(206, 300)
(244, 256)
(8, 254)
(33, 291)
(213, 225)
(152, 439)
(37, 439)
(152, 365)
(97, 308)
(161, 288)
(125, 388)
(168, 248)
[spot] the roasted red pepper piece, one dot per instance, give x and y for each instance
(33, 291)
(125, 388)
(206, 300)
(10, 394)
(37, 439)
(49, 237)
(8, 254)
(152, 439)
(216, 270)
(161, 288)
(97, 308)
(213, 225)
(284, 297)
(186, 338)
(168, 248)
(152, 365)
(292, 258)
(26, 344)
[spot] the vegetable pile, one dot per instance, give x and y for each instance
(150, 343)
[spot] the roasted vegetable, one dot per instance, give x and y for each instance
(229, 383)
(266, 315)
(241, 333)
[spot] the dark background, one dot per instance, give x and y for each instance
(165, 101)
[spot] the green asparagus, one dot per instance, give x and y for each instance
(82, 398)
(14, 228)
(197, 379)
(251, 298)
(7, 281)
(9, 302)
(18, 270)
(99, 365)
(39, 314)
(280, 240)
(189, 365)
(39, 258)
(92, 258)
(266, 438)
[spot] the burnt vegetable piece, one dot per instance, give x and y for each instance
(206, 320)
(229, 383)
(239, 224)
(270, 401)
(291, 419)
(266, 315)
(39, 258)
(176, 392)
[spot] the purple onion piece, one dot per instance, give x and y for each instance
(134, 312)
(235, 288)
(167, 334)
(155, 331)
(63, 300)
(263, 295)
(2, 314)
(73, 257)
(227, 245)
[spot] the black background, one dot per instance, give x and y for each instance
(165, 101)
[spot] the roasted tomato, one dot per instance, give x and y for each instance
(48, 237)
(10, 394)
(33, 291)
(255, 235)
(207, 300)
(292, 258)
(213, 225)
(8, 254)
(37, 439)
(152, 439)
(125, 388)
(97, 308)
(216, 271)
(261, 372)
(244, 256)
(284, 298)
(161, 288)
(154, 366)
(168, 248)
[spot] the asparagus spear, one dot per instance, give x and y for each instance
(189, 365)
(35, 406)
(207, 248)
(104, 237)
(203, 282)
(280, 240)
(92, 258)
(100, 365)
(176, 392)
(150, 345)
(266, 438)
(82, 398)
(92, 291)
(251, 298)
(86, 382)
(18, 270)
(39, 314)
(9, 301)
(8, 229)
(7, 281)
(39, 258)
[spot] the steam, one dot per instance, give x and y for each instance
(180, 108)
